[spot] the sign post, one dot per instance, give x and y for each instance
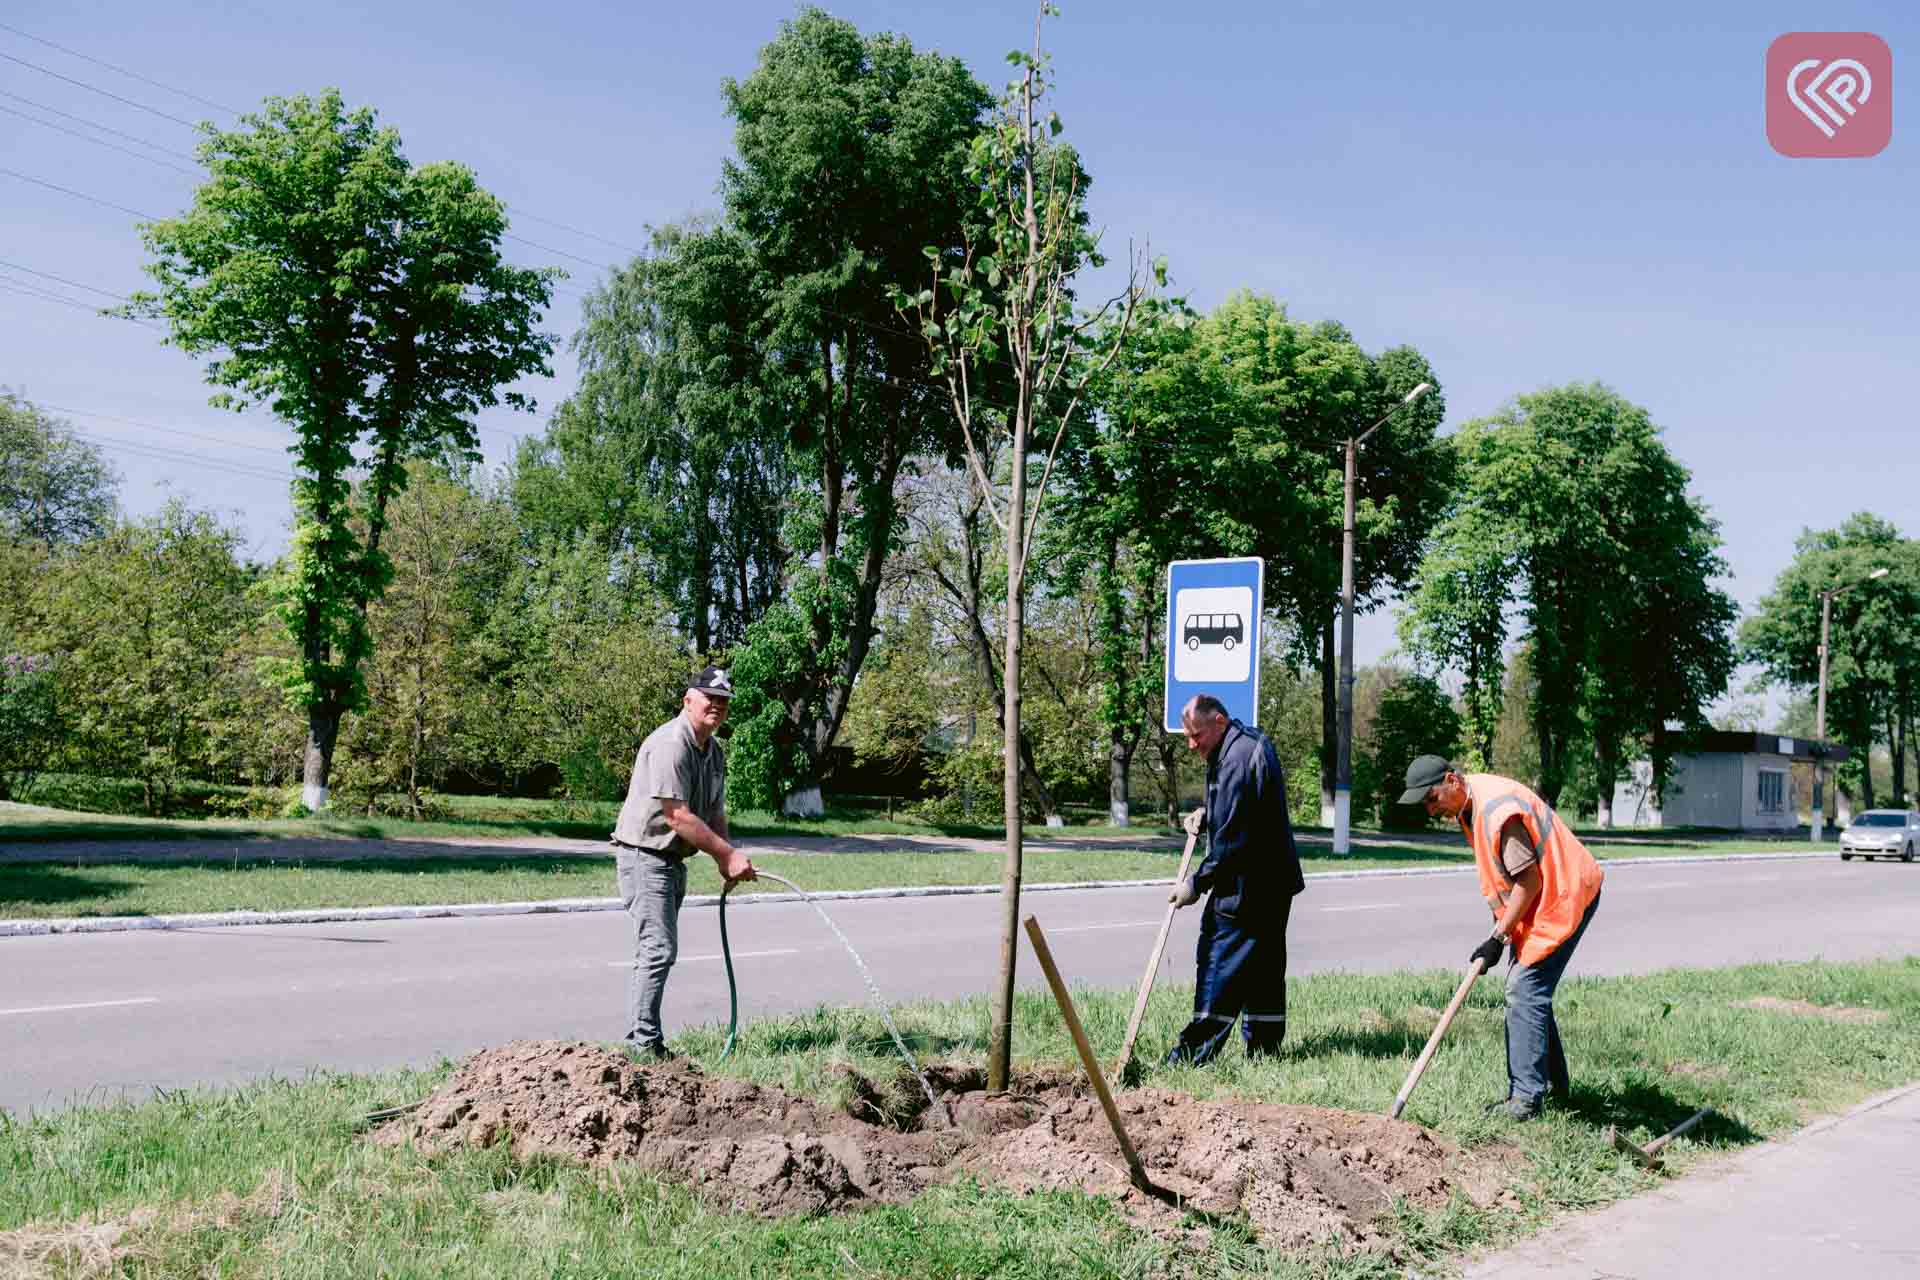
(1213, 635)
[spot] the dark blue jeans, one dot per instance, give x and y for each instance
(1240, 973)
(1536, 1060)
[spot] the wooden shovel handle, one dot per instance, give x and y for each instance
(1159, 948)
(1433, 1041)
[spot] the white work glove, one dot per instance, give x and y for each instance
(1185, 893)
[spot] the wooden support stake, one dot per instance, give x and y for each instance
(1433, 1041)
(1136, 1171)
(1159, 949)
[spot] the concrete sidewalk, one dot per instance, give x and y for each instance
(1836, 1199)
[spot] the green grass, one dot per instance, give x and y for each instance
(272, 1180)
(485, 817)
(53, 889)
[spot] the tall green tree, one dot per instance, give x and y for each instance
(55, 488)
(850, 158)
(672, 453)
(365, 301)
(1873, 664)
(1222, 435)
(1570, 503)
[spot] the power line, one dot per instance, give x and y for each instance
(79, 195)
(534, 217)
(131, 75)
(92, 199)
(105, 93)
(626, 248)
(63, 280)
(160, 453)
(534, 244)
(223, 441)
(68, 115)
(31, 290)
(100, 142)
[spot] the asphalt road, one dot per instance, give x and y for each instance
(94, 1017)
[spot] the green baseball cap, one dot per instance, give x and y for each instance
(1423, 775)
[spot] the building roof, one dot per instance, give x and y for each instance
(1724, 742)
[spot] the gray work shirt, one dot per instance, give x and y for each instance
(671, 766)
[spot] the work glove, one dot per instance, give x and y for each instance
(1185, 893)
(1489, 951)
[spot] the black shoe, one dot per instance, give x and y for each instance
(1514, 1108)
(650, 1053)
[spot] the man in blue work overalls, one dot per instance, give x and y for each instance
(1252, 871)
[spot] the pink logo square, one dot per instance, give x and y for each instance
(1829, 94)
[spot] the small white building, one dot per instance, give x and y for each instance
(1736, 781)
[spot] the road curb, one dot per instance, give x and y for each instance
(556, 906)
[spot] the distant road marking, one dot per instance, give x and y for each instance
(1369, 906)
(1762, 879)
(1089, 928)
(90, 1004)
(738, 955)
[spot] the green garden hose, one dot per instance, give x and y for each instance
(733, 991)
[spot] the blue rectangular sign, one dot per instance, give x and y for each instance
(1213, 635)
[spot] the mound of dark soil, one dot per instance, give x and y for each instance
(1297, 1173)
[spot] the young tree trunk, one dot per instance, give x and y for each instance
(1329, 724)
(1000, 1049)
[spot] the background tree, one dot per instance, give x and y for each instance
(146, 618)
(364, 300)
(55, 488)
(31, 727)
(1569, 502)
(850, 157)
(1871, 664)
(448, 545)
(671, 456)
(1006, 296)
(1413, 717)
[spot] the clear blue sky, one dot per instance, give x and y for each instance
(1528, 196)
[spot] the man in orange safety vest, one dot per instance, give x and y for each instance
(1543, 887)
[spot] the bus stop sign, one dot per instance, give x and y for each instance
(1213, 635)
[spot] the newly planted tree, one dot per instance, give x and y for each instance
(1000, 309)
(365, 302)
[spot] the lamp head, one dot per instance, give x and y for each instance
(1417, 392)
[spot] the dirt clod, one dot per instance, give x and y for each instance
(1297, 1174)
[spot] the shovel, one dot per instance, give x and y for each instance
(1192, 825)
(1649, 1155)
(1433, 1041)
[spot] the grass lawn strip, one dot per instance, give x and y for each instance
(273, 1179)
(50, 891)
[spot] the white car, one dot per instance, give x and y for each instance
(1881, 833)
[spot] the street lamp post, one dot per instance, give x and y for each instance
(1820, 702)
(1343, 760)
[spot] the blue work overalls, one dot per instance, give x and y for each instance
(1253, 872)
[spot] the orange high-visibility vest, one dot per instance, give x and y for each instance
(1569, 877)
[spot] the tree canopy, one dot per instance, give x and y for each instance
(1570, 507)
(365, 302)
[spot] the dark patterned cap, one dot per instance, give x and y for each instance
(1423, 775)
(713, 682)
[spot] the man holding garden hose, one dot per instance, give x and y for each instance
(676, 807)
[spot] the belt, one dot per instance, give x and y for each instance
(665, 855)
